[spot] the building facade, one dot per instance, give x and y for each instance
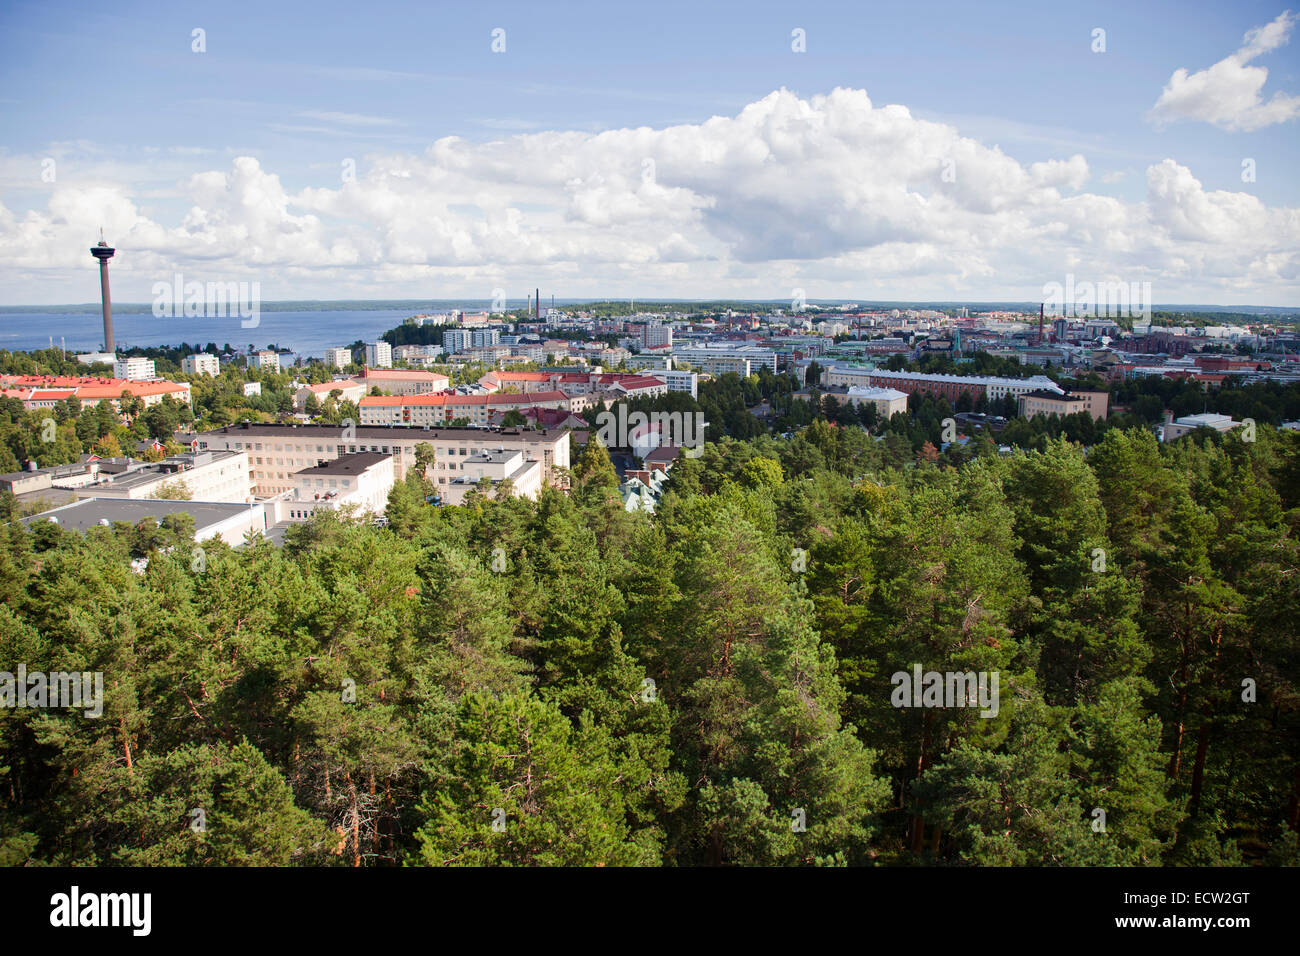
(379, 355)
(134, 369)
(277, 452)
(201, 364)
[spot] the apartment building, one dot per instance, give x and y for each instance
(460, 340)
(349, 391)
(277, 452)
(719, 359)
(266, 360)
(417, 354)
(338, 358)
(652, 334)
(379, 354)
(363, 480)
(403, 381)
(45, 391)
(201, 364)
(134, 369)
(678, 380)
(430, 410)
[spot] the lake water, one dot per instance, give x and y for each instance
(303, 333)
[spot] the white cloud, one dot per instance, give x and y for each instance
(829, 193)
(1228, 94)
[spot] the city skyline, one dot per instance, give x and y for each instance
(675, 155)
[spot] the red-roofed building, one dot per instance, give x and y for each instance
(431, 410)
(404, 381)
(42, 391)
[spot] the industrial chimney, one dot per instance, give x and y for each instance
(103, 252)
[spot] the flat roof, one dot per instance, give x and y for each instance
(90, 512)
(353, 464)
(495, 456)
(405, 432)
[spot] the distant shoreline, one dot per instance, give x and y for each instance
(417, 305)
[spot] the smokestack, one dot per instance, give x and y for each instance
(1040, 323)
(537, 300)
(103, 252)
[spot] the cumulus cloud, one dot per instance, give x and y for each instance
(1228, 94)
(829, 193)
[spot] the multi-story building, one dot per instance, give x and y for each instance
(1096, 403)
(497, 466)
(888, 401)
(438, 409)
(847, 376)
(201, 364)
(203, 476)
(1036, 403)
(46, 391)
(952, 387)
(134, 369)
(718, 359)
(379, 355)
(652, 334)
(403, 381)
(361, 480)
(349, 391)
(277, 452)
(641, 386)
(649, 360)
(266, 360)
(338, 358)
(416, 354)
(678, 380)
(459, 340)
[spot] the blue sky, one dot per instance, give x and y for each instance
(130, 115)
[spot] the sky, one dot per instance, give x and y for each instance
(882, 151)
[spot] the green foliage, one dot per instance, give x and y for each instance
(560, 682)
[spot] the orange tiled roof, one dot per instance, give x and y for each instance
(397, 401)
